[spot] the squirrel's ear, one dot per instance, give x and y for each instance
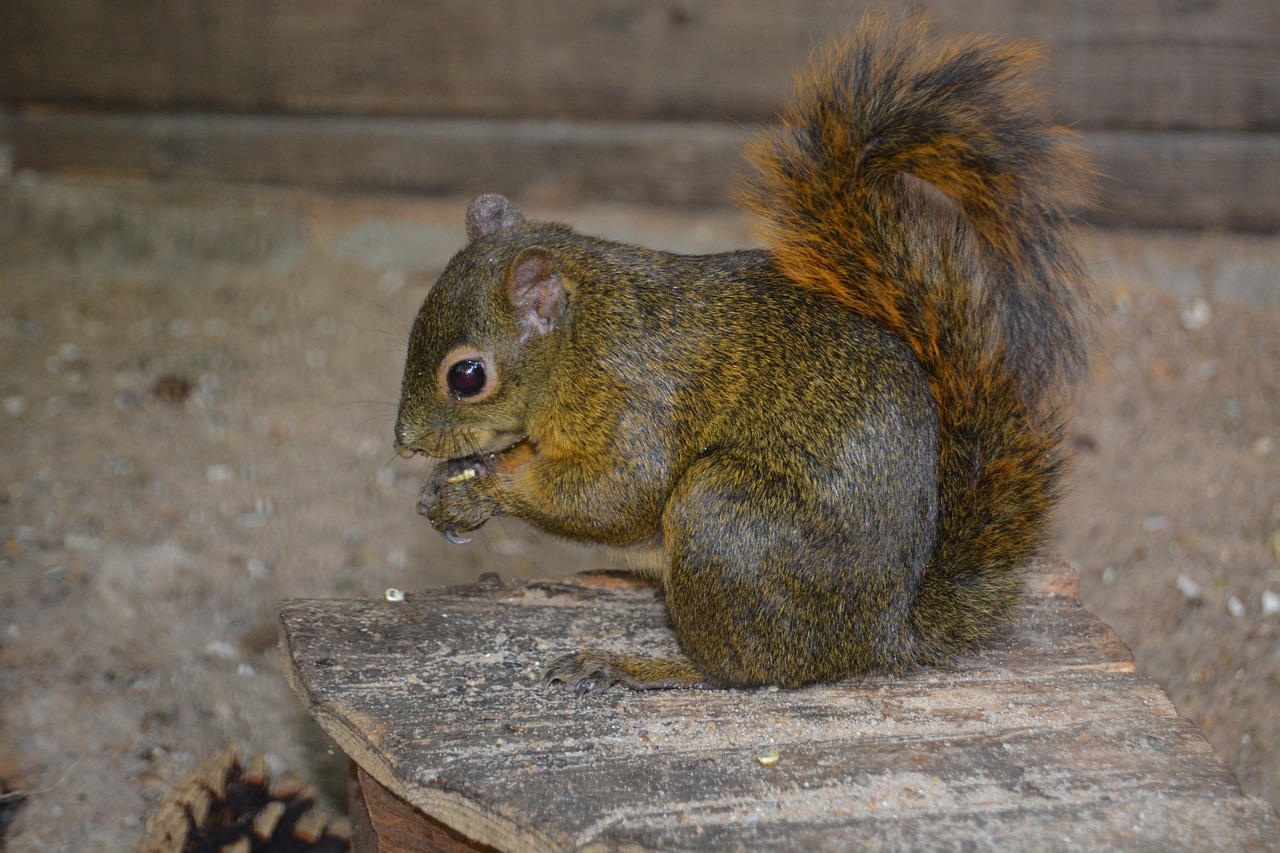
(490, 214)
(536, 290)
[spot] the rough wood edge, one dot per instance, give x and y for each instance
(452, 810)
(389, 824)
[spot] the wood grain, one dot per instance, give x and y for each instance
(619, 100)
(1178, 180)
(1045, 740)
(1150, 64)
(384, 823)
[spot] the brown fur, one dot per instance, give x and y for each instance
(846, 446)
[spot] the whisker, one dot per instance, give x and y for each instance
(382, 417)
(384, 309)
(377, 478)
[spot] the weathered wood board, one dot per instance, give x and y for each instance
(1147, 64)
(1046, 740)
(1153, 179)
(617, 100)
(680, 163)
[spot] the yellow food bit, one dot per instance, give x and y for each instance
(771, 757)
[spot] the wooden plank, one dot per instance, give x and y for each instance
(1176, 180)
(1188, 180)
(384, 823)
(674, 163)
(1147, 64)
(1045, 740)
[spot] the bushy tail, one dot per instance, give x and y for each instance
(919, 187)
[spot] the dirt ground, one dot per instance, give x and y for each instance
(198, 388)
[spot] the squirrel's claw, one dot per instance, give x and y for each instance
(573, 676)
(455, 537)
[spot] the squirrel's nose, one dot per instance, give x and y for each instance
(403, 443)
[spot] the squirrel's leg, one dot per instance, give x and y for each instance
(751, 599)
(756, 597)
(590, 670)
(573, 496)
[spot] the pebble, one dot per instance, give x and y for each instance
(1197, 315)
(80, 542)
(77, 383)
(117, 466)
(261, 316)
(257, 569)
(126, 380)
(221, 649)
(1155, 523)
(1235, 606)
(15, 406)
(393, 281)
(263, 509)
(1189, 588)
(219, 474)
(1270, 603)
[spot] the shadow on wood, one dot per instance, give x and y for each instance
(1047, 739)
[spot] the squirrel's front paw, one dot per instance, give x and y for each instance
(454, 499)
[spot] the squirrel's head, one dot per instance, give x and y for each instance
(480, 339)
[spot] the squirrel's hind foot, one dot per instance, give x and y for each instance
(590, 670)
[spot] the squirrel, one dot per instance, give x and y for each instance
(846, 446)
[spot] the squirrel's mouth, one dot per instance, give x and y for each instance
(487, 444)
(467, 443)
(463, 443)
(504, 460)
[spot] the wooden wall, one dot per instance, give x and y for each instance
(1179, 100)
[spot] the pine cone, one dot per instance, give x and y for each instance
(225, 807)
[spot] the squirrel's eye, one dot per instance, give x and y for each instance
(467, 375)
(467, 378)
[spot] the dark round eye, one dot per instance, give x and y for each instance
(467, 375)
(467, 378)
